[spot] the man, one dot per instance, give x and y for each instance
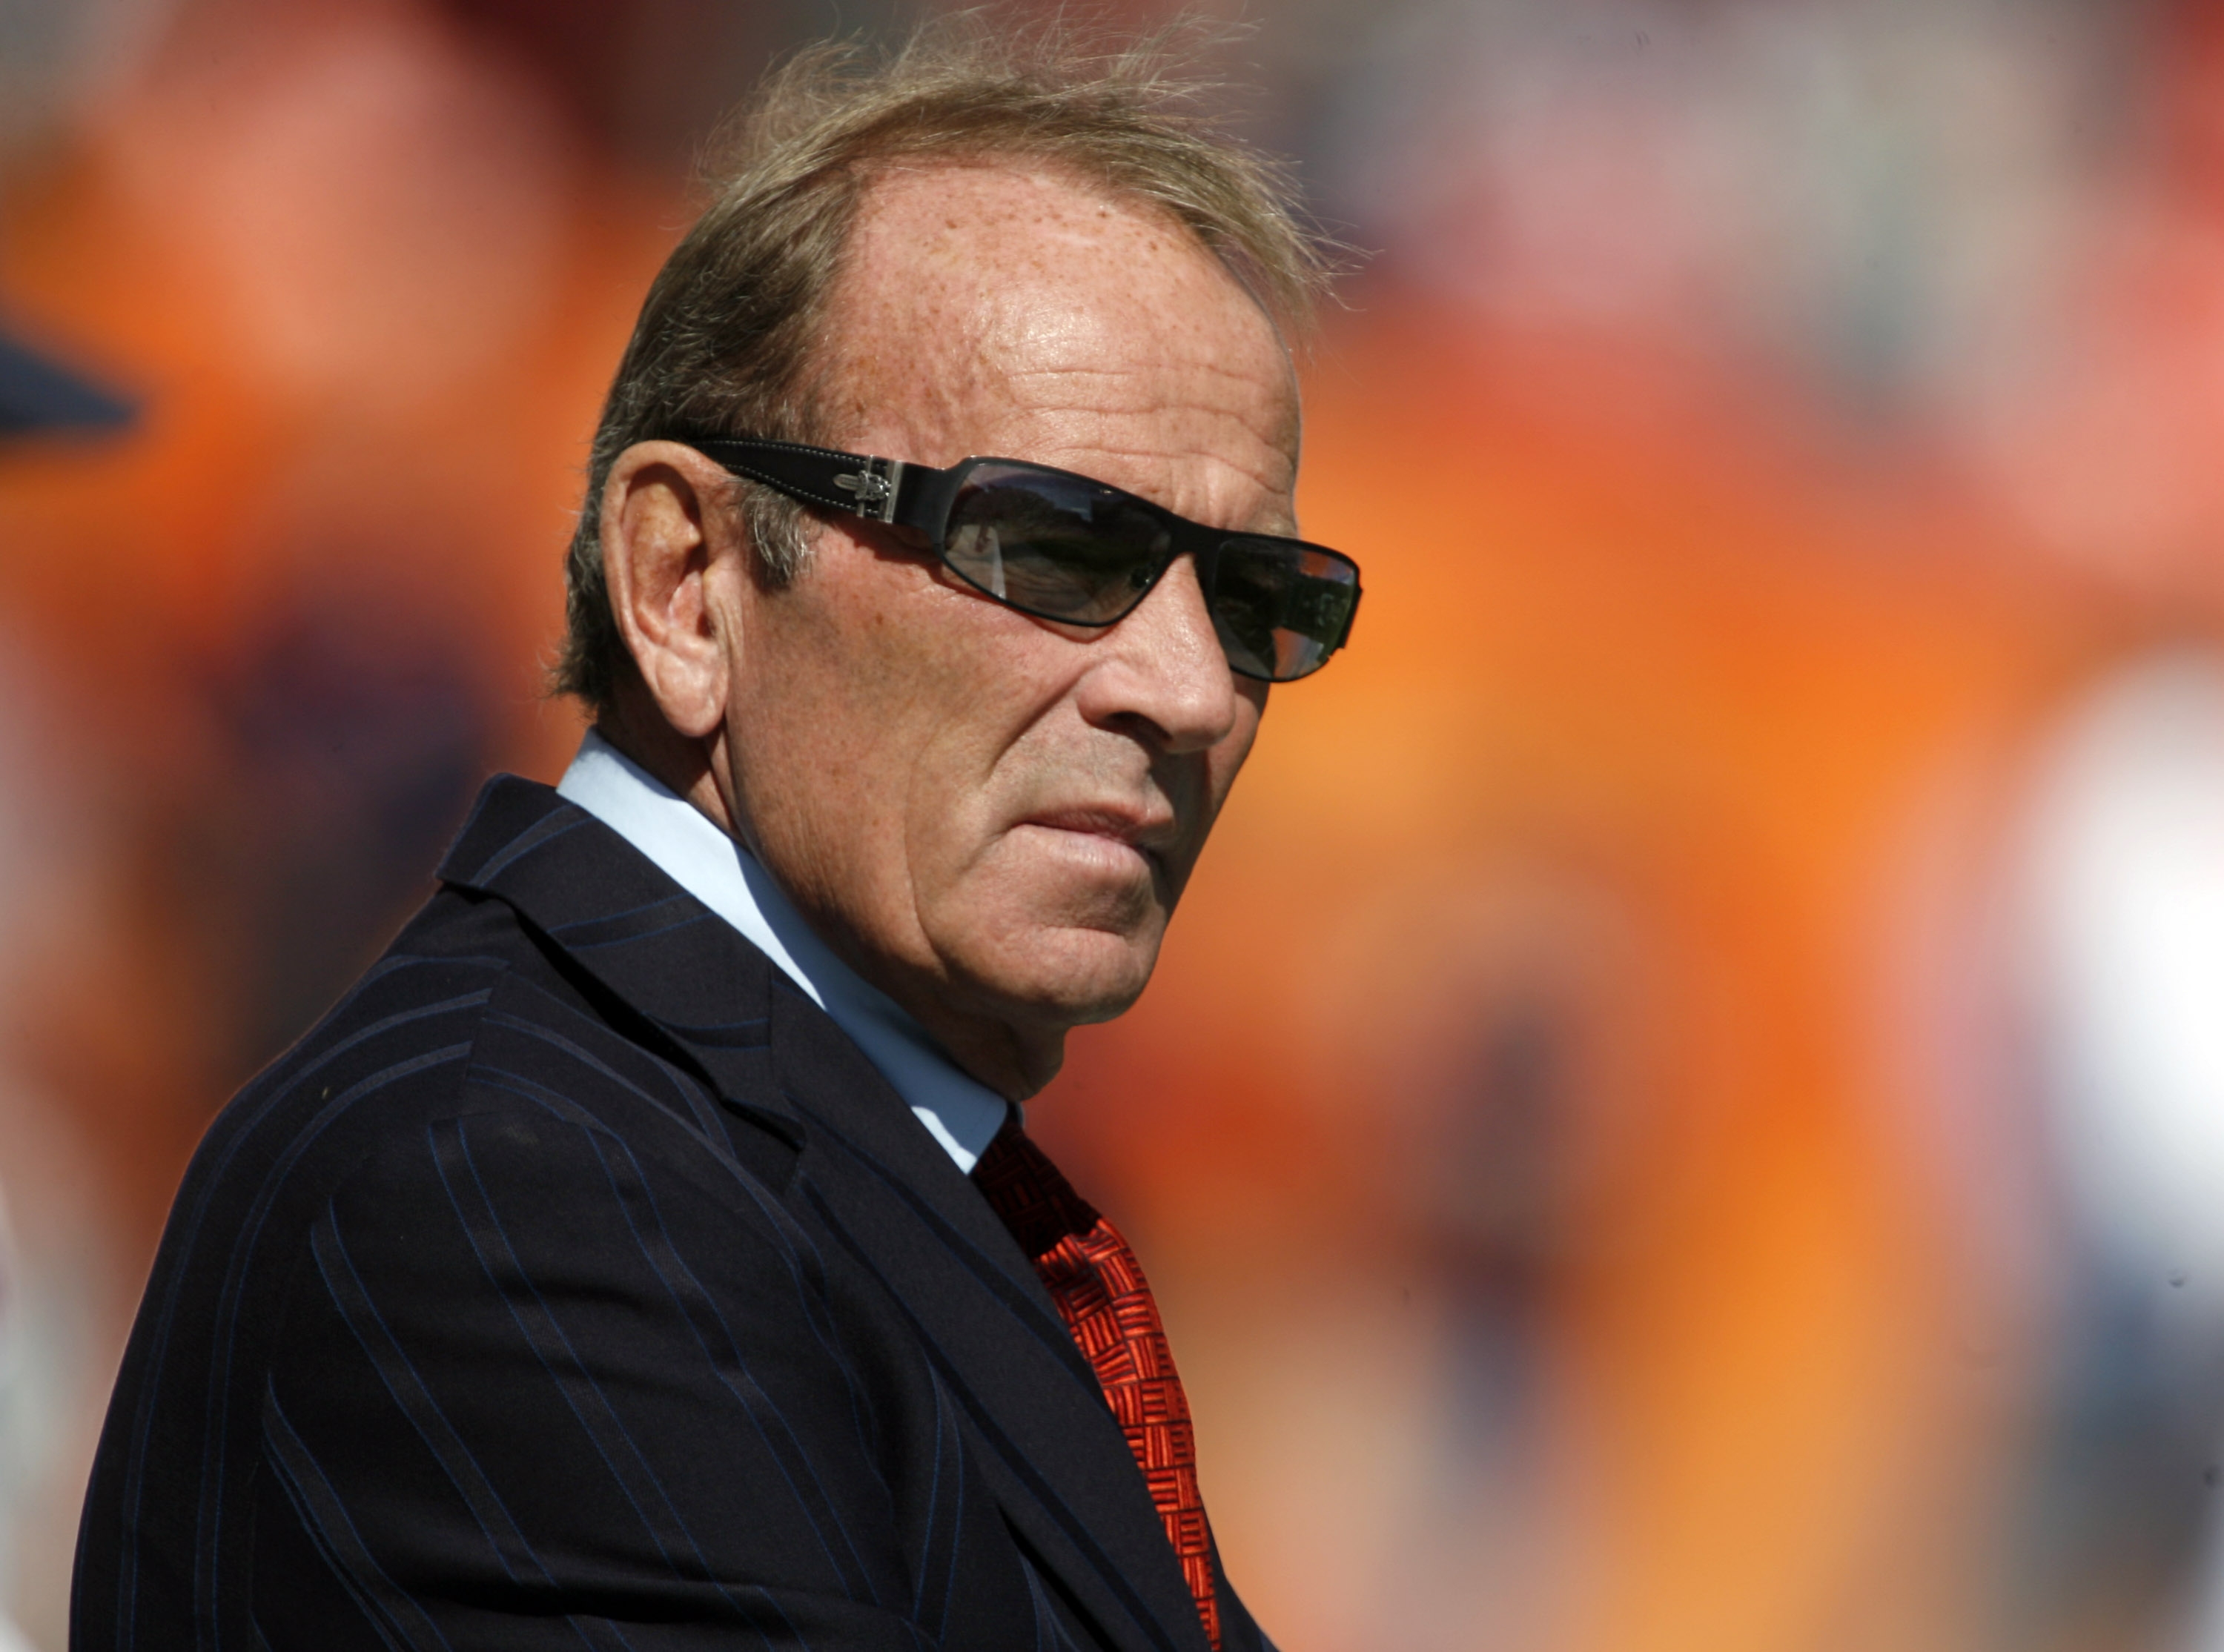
(647, 1253)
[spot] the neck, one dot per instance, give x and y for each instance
(1009, 1061)
(684, 764)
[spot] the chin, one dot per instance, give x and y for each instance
(1072, 977)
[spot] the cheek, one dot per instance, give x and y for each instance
(864, 746)
(974, 767)
(950, 806)
(905, 709)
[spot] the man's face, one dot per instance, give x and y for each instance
(991, 815)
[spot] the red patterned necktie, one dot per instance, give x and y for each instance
(1102, 1295)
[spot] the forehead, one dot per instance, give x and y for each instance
(985, 306)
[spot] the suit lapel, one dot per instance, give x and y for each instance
(889, 1193)
(615, 915)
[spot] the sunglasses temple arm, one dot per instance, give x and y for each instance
(881, 490)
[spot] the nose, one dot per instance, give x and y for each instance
(1161, 672)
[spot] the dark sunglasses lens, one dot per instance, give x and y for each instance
(1281, 607)
(1061, 546)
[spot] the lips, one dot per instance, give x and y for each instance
(1149, 830)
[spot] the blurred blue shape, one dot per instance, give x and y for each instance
(38, 394)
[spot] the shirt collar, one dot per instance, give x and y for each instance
(689, 848)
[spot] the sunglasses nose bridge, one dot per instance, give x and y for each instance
(1204, 554)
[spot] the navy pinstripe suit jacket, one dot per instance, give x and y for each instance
(577, 1283)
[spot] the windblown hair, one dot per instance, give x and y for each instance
(728, 342)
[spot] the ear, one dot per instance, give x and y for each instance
(669, 550)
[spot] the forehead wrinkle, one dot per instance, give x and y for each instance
(1037, 393)
(1262, 467)
(1043, 397)
(1208, 369)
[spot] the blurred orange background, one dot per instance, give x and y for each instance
(1600, 1131)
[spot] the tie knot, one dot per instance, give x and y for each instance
(1036, 1203)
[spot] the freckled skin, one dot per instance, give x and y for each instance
(991, 817)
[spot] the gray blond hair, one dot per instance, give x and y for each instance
(727, 342)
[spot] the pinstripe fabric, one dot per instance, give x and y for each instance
(578, 1284)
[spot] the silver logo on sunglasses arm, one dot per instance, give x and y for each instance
(874, 487)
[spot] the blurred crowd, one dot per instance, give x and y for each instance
(1697, 1058)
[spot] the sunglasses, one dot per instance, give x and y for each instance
(1064, 547)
